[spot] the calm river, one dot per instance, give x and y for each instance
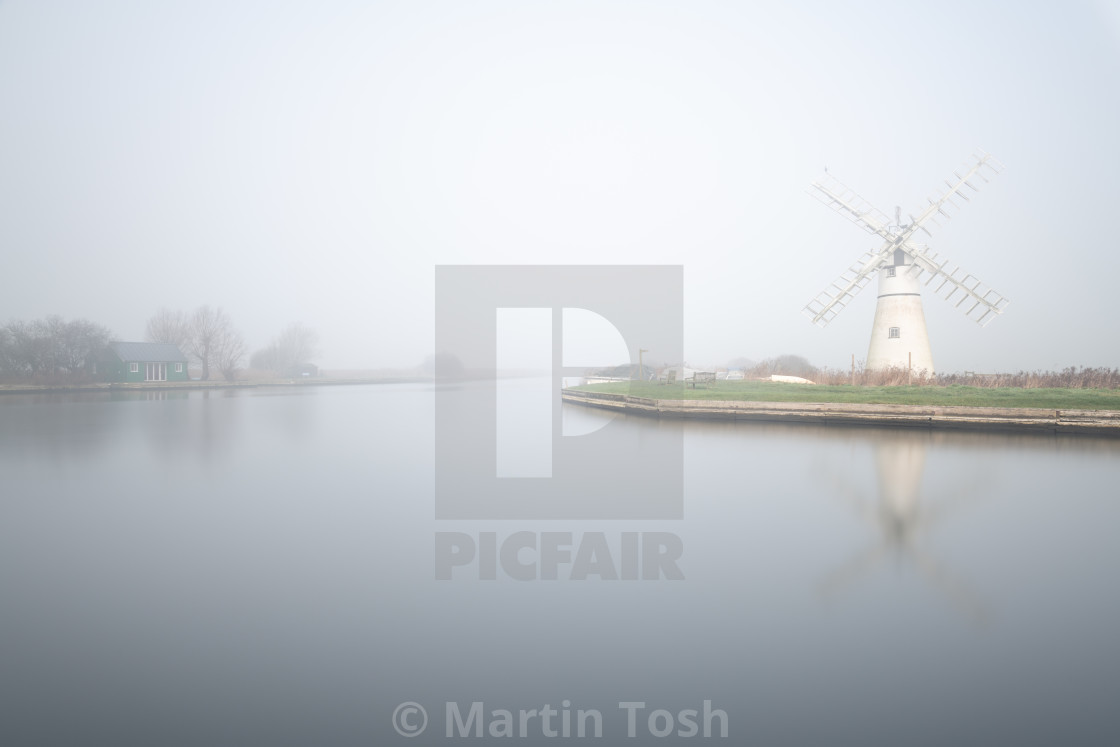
(259, 567)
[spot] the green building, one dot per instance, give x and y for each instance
(141, 362)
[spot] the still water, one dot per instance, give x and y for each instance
(256, 567)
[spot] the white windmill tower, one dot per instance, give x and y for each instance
(898, 334)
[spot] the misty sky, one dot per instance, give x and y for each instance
(313, 162)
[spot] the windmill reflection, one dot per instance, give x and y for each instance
(902, 517)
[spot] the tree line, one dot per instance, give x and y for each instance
(50, 349)
(53, 350)
(208, 337)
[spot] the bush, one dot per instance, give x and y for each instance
(1068, 378)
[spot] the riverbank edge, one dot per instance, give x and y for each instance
(1096, 422)
(163, 386)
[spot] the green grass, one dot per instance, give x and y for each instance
(967, 396)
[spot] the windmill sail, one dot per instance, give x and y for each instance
(979, 166)
(829, 302)
(845, 201)
(977, 301)
(970, 294)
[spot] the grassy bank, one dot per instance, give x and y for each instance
(964, 396)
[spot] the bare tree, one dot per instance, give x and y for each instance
(7, 360)
(207, 336)
(28, 348)
(169, 326)
(229, 351)
(208, 328)
(294, 346)
(79, 342)
(299, 343)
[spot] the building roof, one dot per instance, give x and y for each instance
(148, 351)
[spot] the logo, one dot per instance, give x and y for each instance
(507, 337)
(410, 719)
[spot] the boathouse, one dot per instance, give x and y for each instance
(141, 362)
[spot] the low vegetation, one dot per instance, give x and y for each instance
(1068, 378)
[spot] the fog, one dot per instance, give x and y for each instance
(315, 162)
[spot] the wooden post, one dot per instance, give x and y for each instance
(853, 369)
(910, 369)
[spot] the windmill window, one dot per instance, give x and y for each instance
(890, 272)
(894, 333)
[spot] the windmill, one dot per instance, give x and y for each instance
(898, 334)
(902, 517)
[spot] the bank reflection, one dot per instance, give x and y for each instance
(166, 424)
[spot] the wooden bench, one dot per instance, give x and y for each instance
(703, 377)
